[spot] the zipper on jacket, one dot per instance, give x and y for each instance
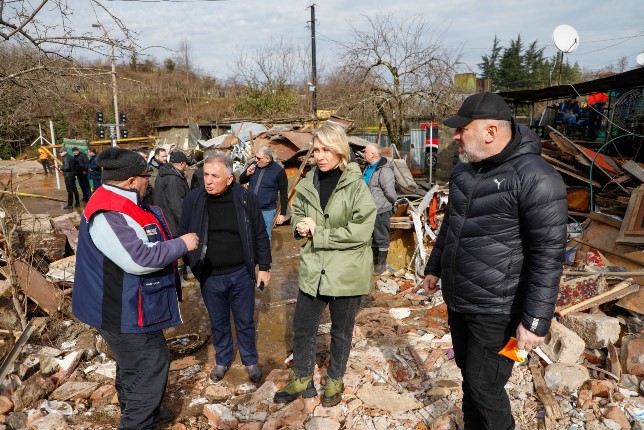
(460, 229)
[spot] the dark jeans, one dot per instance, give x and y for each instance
(381, 231)
(142, 363)
(46, 165)
(477, 339)
(83, 181)
(72, 191)
(95, 178)
(306, 320)
(225, 293)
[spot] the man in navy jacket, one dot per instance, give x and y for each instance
(265, 179)
(499, 252)
(234, 241)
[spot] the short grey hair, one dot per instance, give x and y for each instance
(220, 157)
(374, 147)
(266, 150)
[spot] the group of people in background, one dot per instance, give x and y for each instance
(79, 167)
(573, 117)
(498, 255)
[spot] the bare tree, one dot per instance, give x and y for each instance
(184, 56)
(273, 76)
(622, 64)
(404, 69)
(37, 48)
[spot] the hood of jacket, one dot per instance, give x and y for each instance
(168, 169)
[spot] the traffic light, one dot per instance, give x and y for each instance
(101, 133)
(122, 118)
(99, 118)
(123, 133)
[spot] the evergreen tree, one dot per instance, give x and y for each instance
(511, 70)
(490, 64)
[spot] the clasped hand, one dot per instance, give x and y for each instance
(306, 227)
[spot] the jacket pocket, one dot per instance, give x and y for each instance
(154, 303)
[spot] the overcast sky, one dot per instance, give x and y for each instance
(216, 30)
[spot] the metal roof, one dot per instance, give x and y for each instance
(627, 80)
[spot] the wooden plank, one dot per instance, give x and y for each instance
(605, 219)
(66, 227)
(634, 169)
(36, 287)
(562, 142)
(559, 166)
(630, 231)
(553, 410)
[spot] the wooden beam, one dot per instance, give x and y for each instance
(553, 410)
(620, 290)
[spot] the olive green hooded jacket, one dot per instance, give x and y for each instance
(337, 261)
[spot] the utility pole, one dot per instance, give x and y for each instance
(314, 79)
(114, 89)
(114, 92)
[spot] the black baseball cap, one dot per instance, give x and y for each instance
(480, 106)
(178, 157)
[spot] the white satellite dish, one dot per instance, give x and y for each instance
(640, 58)
(566, 38)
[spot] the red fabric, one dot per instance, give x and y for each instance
(432, 210)
(597, 98)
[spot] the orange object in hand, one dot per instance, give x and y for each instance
(512, 351)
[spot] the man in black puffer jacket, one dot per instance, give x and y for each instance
(499, 252)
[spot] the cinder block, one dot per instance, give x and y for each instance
(597, 330)
(562, 345)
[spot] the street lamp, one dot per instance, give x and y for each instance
(114, 91)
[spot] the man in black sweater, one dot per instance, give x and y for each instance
(234, 242)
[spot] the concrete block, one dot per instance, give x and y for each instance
(562, 345)
(597, 330)
(568, 377)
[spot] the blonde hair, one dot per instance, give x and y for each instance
(333, 137)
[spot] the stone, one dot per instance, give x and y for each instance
(50, 422)
(617, 415)
(17, 420)
(635, 357)
(612, 425)
(252, 425)
(102, 395)
(33, 389)
(49, 366)
(28, 367)
(568, 377)
(562, 345)
(179, 426)
(218, 392)
(184, 363)
(321, 423)
(220, 417)
(6, 405)
(601, 388)
(386, 399)
(73, 390)
(597, 330)
(629, 382)
(86, 342)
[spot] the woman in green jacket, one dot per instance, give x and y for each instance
(334, 209)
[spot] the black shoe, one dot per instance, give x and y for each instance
(67, 207)
(77, 205)
(218, 372)
(85, 200)
(165, 416)
(254, 373)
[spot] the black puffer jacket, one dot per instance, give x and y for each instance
(502, 242)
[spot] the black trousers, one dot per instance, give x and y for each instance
(72, 191)
(142, 363)
(306, 320)
(477, 339)
(381, 231)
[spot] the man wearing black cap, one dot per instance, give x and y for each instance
(171, 188)
(499, 252)
(131, 292)
(69, 168)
